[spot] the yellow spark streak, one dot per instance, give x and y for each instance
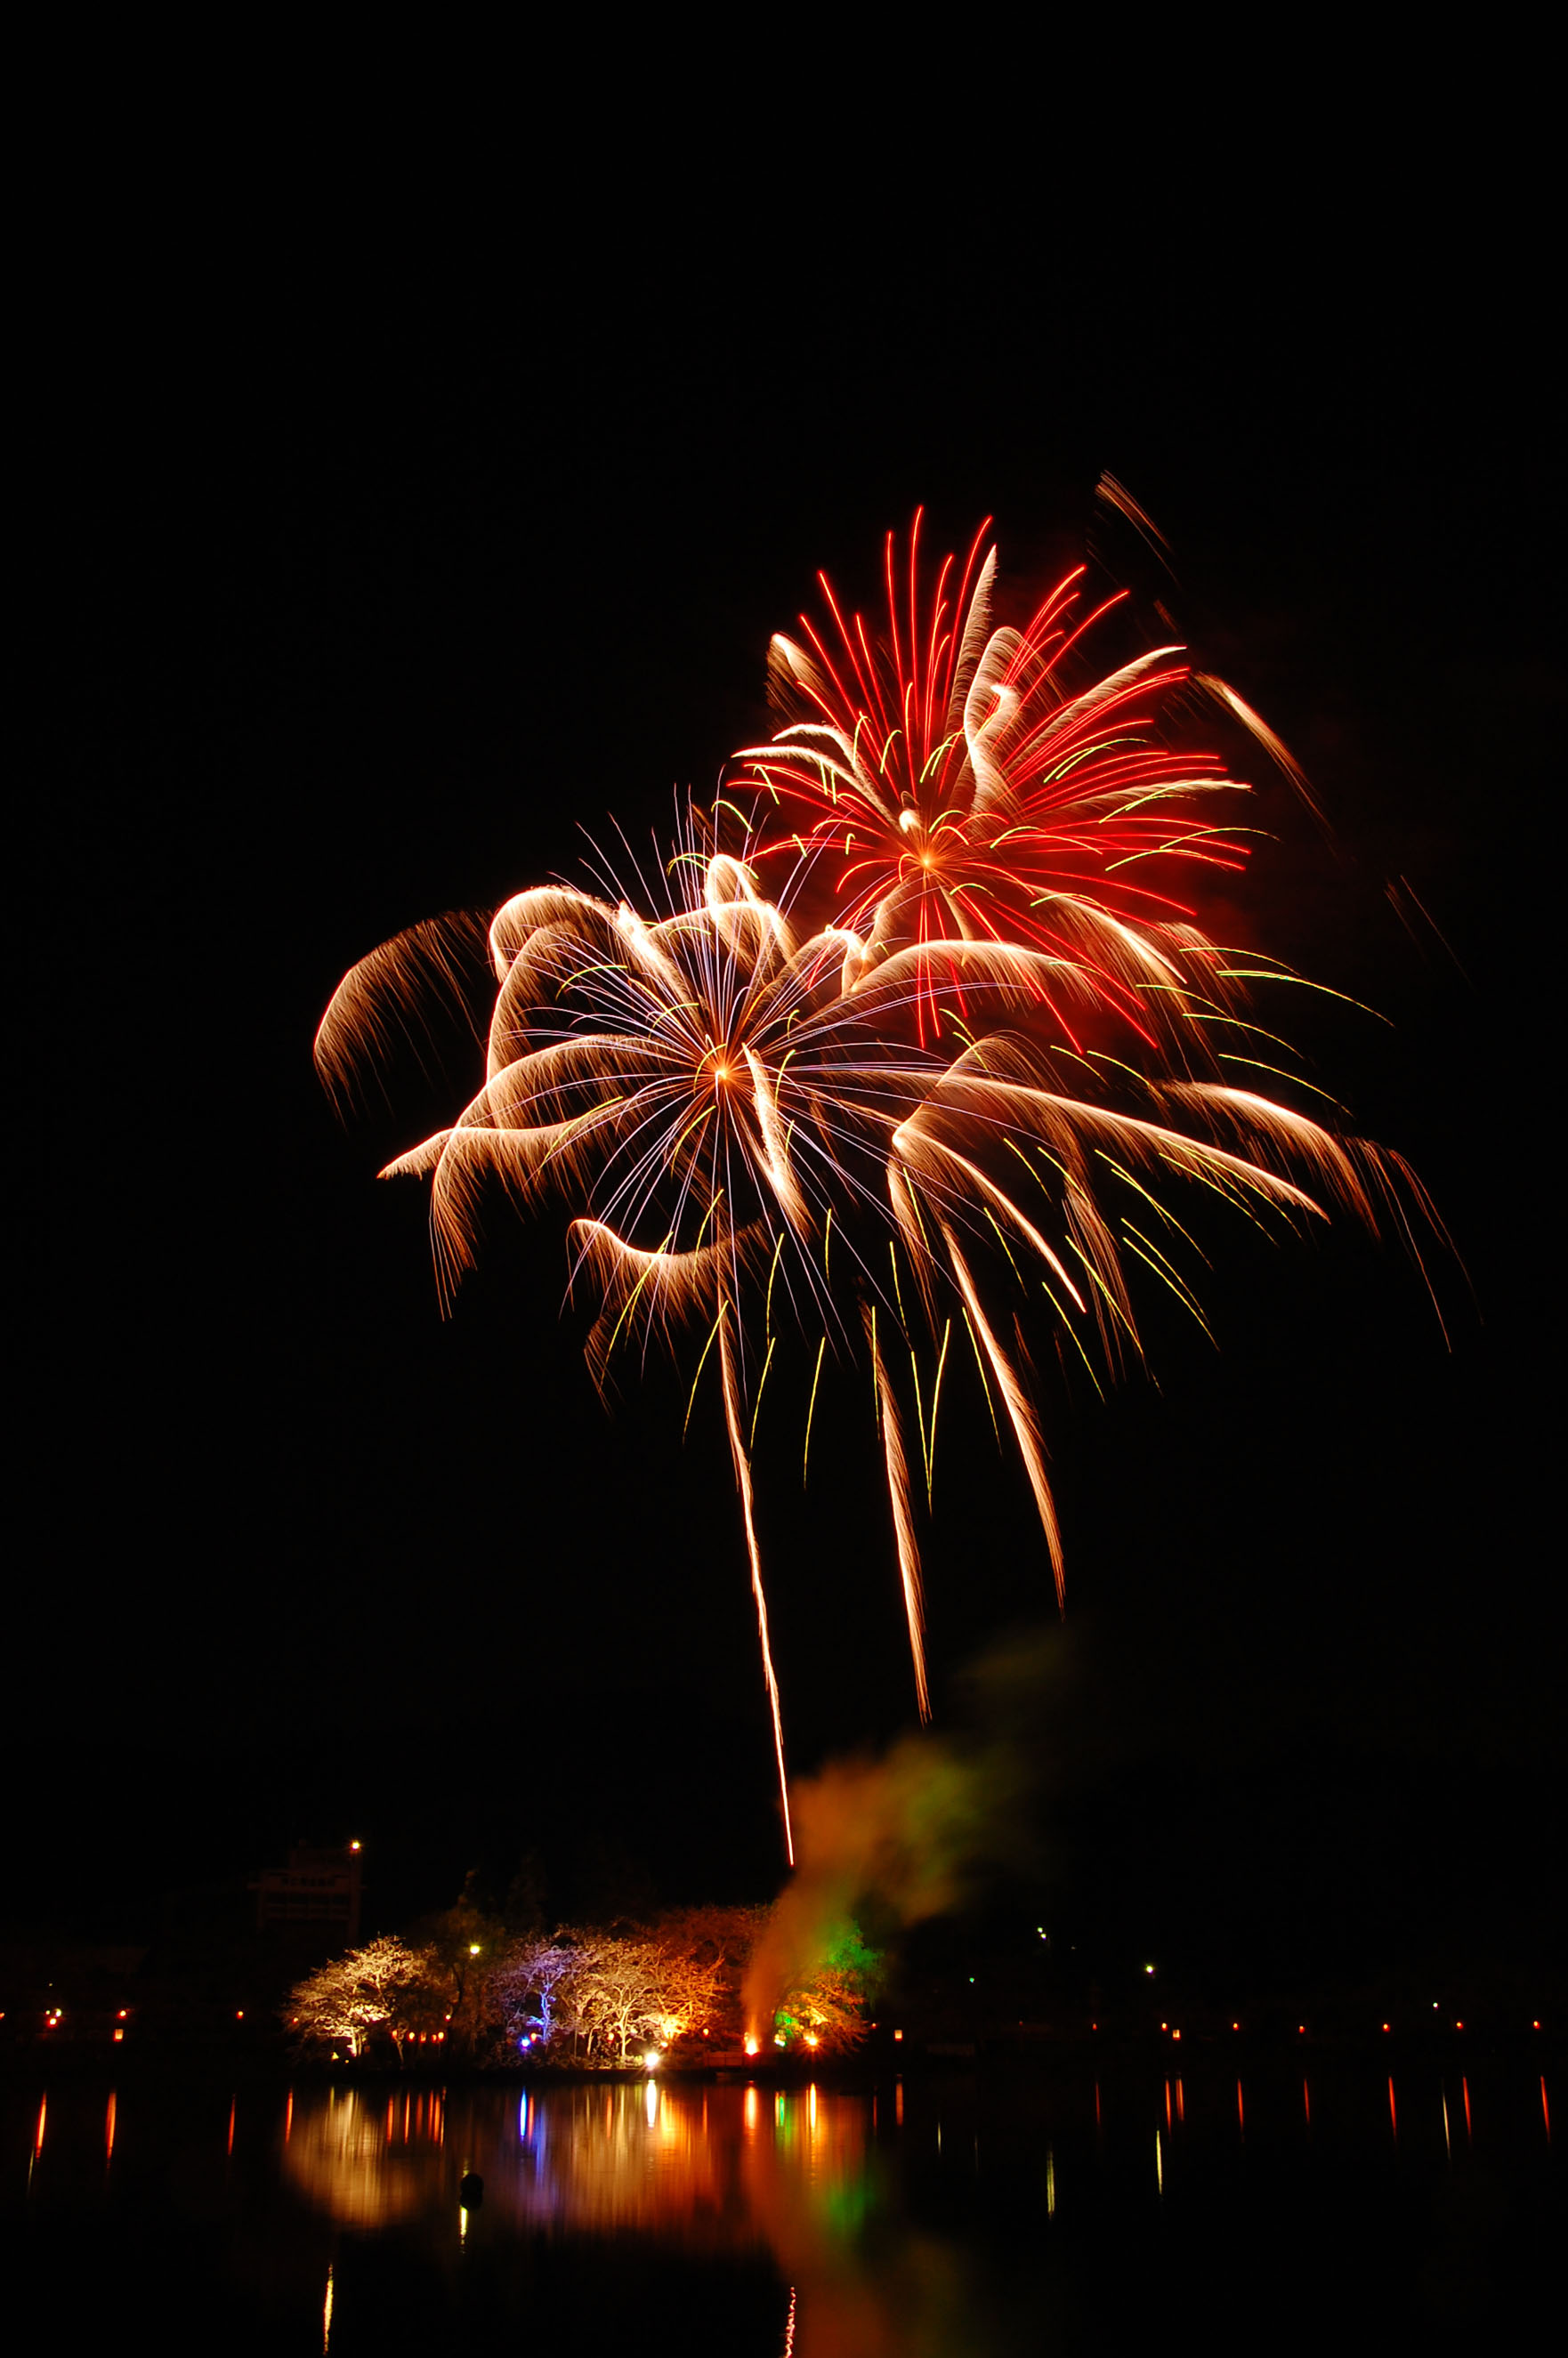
(811, 1410)
(1066, 1327)
(1007, 1248)
(768, 1308)
(1255, 1064)
(920, 1413)
(903, 1521)
(757, 1408)
(897, 1296)
(653, 1262)
(1155, 1260)
(1275, 974)
(744, 1484)
(1154, 1204)
(701, 1365)
(936, 1401)
(1103, 1290)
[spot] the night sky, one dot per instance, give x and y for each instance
(363, 579)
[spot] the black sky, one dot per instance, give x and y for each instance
(367, 571)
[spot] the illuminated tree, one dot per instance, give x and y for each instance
(602, 1997)
(383, 1989)
(825, 2011)
(535, 1987)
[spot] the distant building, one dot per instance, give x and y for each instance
(317, 1887)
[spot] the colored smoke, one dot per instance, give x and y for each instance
(891, 1840)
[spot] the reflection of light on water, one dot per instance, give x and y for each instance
(327, 2314)
(711, 2169)
(1447, 2142)
(1159, 2166)
(1393, 2114)
(109, 2131)
(1050, 2182)
(789, 2326)
(1465, 2092)
(340, 2155)
(1306, 2102)
(1545, 2110)
(229, 2147)
(1240, 2114)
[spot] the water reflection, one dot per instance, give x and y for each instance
(706, 2168)
(976, 2221)
(339, 2151)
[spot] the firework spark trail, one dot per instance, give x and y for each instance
(738, 1107)
(742, 1466)
(903, 1516)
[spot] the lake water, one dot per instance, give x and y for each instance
(1023, 2209)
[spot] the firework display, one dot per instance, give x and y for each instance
(913, 1030)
